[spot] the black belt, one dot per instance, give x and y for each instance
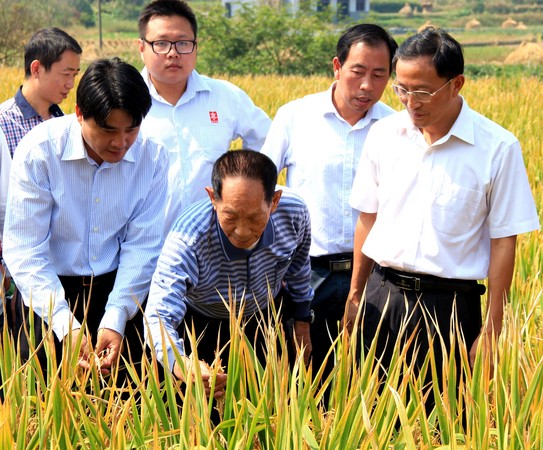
(338, 262)
(419, 282)
(86, 281)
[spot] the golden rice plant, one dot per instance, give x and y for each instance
(275, 406)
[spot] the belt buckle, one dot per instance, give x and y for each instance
(86, 281)
(404, 282)
(341, 265)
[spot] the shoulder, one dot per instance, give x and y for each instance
(51, 135)
(194, 224)
(219, 86)
(291, 204)
(495, 132)
(8, 105)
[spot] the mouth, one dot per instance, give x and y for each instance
(363, 100)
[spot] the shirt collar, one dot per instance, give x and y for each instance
(29, 112)
(195, 83)
(233, 253)
(76, 148)
(373, 114)
(462, 127)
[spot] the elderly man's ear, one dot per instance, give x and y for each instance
(275, 199)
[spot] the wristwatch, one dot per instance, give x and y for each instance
(309, 319)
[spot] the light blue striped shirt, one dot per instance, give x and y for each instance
(198, 264)
(66, 215)
(321, 152)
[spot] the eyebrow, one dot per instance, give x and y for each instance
(362, 66)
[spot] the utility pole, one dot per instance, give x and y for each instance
(100, 23)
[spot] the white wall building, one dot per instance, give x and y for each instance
(353, 8)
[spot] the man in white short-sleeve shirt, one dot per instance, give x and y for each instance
(443, 193)
(319, 139)
(195, 116)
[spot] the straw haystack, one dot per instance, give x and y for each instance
(509, 23)
(472, 24)
(406, 10)
(526, 53)
(426, 25)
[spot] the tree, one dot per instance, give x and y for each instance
(19, 19)
(265, 39)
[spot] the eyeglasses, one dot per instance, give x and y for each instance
(161, 47)
(418, 96)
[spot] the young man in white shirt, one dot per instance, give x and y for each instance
(196, 117)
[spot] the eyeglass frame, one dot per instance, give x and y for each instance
(414, 93)
(172, 44)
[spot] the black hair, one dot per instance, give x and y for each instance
(110, 84)
(47, 46)
(367, 33)
(166, 8)
(445, 52)
(246, 164)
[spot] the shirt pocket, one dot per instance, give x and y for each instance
(456, 210)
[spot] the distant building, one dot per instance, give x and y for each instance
(352, 8)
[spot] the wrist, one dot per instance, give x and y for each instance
(309, 318)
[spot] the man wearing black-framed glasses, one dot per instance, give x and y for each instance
(442, 193)
(196, 117)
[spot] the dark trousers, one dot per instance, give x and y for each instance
(77, 291)
(427, 310)
(329, 306)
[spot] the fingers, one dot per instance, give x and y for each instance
(206, 376)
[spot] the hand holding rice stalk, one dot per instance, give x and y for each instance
(203, 371)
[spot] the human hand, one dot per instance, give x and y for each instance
(108, 349)
(352, 305)
(303, 338)
(84, 352)
(486, 347)
(206, 374)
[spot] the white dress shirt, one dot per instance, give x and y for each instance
(439, 205)
(321, 152)
(67, 215)
(197, 130)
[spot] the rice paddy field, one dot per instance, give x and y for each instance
(497, 405)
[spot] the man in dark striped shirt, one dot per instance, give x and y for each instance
(245, 239)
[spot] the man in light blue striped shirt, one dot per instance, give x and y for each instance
(245, 239)
(86, 206)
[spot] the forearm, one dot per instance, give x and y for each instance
(500, 275)
(362, 265)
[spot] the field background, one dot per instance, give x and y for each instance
(283, 409)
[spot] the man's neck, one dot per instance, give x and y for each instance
(351, 116)
(169, 92)
(39, 105)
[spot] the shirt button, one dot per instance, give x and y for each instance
(95, 229)
(94, 258)
(97, 200)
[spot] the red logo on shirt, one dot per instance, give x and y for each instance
(214, 116)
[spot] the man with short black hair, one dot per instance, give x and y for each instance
(442, 193)
(51, 62)
(246, 239)
(85, 210)
(319, 139)
(197, 117)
